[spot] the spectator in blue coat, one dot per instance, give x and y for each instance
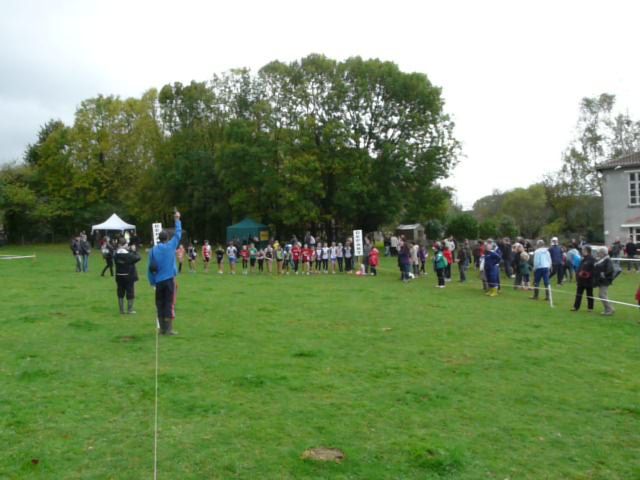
(541, 268)
(162, 272)
(557, 265)
(492, 258)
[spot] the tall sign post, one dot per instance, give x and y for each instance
(156, 228)
(358, 246)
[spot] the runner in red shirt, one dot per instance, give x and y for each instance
(307, 255)
(244, 253)
(296, 251)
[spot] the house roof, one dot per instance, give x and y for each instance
(624, 161)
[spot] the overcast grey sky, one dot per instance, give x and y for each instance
(512, 73)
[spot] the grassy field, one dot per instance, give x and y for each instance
(408, 380)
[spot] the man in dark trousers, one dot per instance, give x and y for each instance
(162, 275)
(631, 249)
(557, 267)
(125, 259)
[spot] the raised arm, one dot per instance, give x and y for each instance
(175, 241)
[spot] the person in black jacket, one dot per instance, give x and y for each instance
(84, 248)
(603, 278)
(75, 251)
(126, 274)
(585, 280)
(507, 256)
(631, 249)
(107, 250)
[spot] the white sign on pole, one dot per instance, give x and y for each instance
(358, 249)
(156, 228)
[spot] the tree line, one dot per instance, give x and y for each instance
(315, 144)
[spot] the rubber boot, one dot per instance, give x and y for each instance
(130, 309)
(170, 327)
(163, 325)
(546, 294)
(536, 293)
(121, 305)
(493, 292)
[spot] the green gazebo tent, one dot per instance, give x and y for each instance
(248, 229)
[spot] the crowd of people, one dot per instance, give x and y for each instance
(529, 267)
(275, 258)
(525, 266)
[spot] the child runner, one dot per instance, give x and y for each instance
(253, 255)
(340, 257)
(296, 252)
(244, 253)
(192, 253)
(180, 257)
(220, 258)
(374, 260)
(206, 255)
(260, 260)
(286, 260)
(268, 257)
(318, 257)
(334, 257)
(348, 257)
(325, 258)
(279, 257)
(232, 255)
(306, 259)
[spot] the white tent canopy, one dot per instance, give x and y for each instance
(113, 223)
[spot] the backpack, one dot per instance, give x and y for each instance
(576, 261)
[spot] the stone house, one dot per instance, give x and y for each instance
(621, 197)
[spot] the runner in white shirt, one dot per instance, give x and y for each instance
(232, 255)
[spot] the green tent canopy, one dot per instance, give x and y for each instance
(248, 229)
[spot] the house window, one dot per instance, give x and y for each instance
(634, 234)
(634, 188)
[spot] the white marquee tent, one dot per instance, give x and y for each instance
(114, 223)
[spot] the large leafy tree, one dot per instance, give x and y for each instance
(600, 136)
(463, 226)
(312, 144)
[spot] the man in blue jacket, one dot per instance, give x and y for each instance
(162, 272)
(557, 264)
(541, 266)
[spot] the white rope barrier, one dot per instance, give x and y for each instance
(15, 257)
(155, 422)
(504, 286)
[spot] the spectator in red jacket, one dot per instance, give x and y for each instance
(447, 254)
(374, 260)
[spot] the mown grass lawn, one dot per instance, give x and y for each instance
(408, 380)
